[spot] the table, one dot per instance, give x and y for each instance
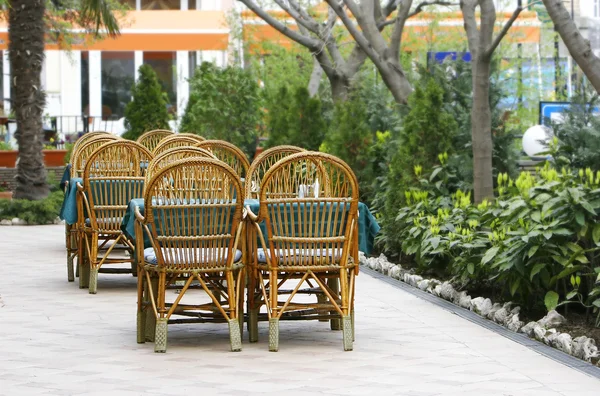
(367, 225)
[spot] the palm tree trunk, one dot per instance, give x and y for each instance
(26, 53)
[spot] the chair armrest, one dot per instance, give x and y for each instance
(138, 216)
(248, 212)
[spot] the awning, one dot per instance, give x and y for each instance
(420, 32)
(162, 30)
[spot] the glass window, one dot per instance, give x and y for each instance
(85, 83)
(164, 65)
(118, 75)
(161, 4)
(194, 4)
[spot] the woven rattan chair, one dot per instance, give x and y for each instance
(177, 140)
(262, 164)
(81, 151)
(151, 138)
(229, 154)
(114, 174)
(175, 154)
(310, 239)
(196, 234)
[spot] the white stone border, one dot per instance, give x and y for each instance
(20, 222)
(504, 314)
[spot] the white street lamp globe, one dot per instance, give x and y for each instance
(535, 140)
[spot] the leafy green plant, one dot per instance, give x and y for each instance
(148, 109)
(33, 212)
(4, 146)
(224, 104)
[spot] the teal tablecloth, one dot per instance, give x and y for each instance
(367, 225)
(68, 210)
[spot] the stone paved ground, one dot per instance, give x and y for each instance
(57, 340)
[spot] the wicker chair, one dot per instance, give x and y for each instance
(229, 154)
(196, 234)
(172, 155)
(176, 140)
(316, 246)
(151, 138)
(81, 151)
(262, 164)
(113, 175)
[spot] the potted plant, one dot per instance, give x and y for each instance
(8, 156)
(5, 192)
(52, 156)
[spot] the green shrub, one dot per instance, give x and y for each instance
(148, 109)
(540, 236)
(224, 104)
(33, 212)
(297, 121)
(4, 146)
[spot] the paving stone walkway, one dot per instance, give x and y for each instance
(56, 339)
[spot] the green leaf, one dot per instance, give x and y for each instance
(543, 197)
(596, 234)
(532, 250)
(536, 269)
(536, 216)
(471, 268)
(435, 242)
(574, 247)
(547, 234)
(562, 231)
(489, 255)
(551, 300)
(586, 205)
(580, 218)
(571, 294)
(596, 303)
(515, 286)
(582, 259)
(434, 173)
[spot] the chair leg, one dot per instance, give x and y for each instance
(70, 269)
(235, 335)
(353, 333)
(84, 272)
(253, 324)
(141, 326)
(150, 316)
(274, 334)
(322, 299)
(160, 339)
(347, 332)
(334, 285)
(93, 287)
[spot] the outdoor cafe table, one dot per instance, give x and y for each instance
(367, 225)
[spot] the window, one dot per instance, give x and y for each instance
(193, 62)
(164, 64)
(596, 8)
(118, 75)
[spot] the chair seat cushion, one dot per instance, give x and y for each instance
(202, 254)
(103, 221)
(335, 254)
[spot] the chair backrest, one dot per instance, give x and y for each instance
(80, 155)
(114, 174)
(262, 164)
(151, 138)
(192, 214)
(175, 140)
(175, 154)
(192, 135)
(309, 227)
(87, 136)
(229, 154)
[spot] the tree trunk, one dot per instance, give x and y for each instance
(315, 78)
(394, 78)
(26, 52)
(340, 87)
(579, 47)
(481, 131)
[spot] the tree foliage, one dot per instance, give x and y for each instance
(224, 104)
(148, 109)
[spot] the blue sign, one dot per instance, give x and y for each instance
(552, 112)
(441, 57)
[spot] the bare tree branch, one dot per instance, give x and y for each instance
(418, 9)
(490, 51)
(470, 23)
(309, 42)
(396, 37)
(308, 23)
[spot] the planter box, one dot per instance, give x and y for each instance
(52, 158)
(5, 194)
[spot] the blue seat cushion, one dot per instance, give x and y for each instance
(201, 254)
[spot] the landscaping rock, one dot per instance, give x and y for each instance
(437, 290)
(585, 348)
(502, 315)
(539, 333)
(394, 272)
(463, 300)
(553, 319)
(17, 221)
(447, 291)
(423, 285)
(5, 222)
(514, 324)
(362, 258)
(549, 336)
(433, 283)
(564, 343)
(493, 310)
(481, 306)
(528, 329)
